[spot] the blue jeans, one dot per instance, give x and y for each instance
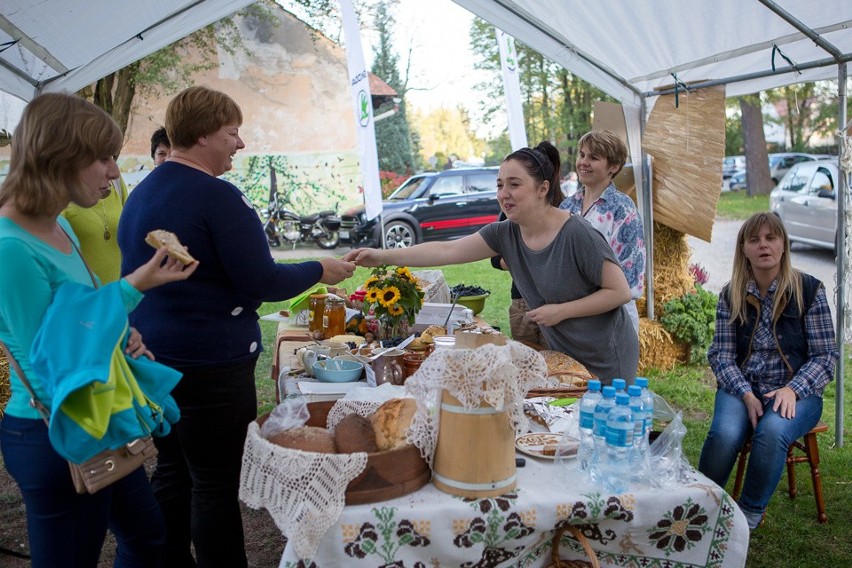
(67, 529)
(198, 469)
(770, 442)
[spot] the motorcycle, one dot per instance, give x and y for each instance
(284, 226)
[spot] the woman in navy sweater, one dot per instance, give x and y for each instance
(206, 327)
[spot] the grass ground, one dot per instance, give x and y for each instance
(738, 205)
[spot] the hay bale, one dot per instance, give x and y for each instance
(671, 268)
(657, 348)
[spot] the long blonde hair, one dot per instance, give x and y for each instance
(789, 279)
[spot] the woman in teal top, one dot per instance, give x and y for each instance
(63, 152)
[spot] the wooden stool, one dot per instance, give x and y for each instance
(807, 445)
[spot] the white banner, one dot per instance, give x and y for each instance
(360, 84)
(512, 88)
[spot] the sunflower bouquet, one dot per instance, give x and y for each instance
(394, 297)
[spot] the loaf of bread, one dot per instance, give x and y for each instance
(391, 421)
(354, 433)
(306, 438)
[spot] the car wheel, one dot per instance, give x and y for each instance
(399, 234)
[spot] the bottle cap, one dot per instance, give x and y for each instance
(619, 384)
(594, 385)
(634, 390)
(622, 398)
(641, 381)
(609, 392)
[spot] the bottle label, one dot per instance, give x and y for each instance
(619, 436)
(325, 322)
(587, 420)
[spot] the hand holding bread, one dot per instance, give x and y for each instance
(161, 269)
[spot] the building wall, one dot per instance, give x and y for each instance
(292, 86)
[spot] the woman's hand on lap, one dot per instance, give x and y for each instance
(784, 401)
(754, 407)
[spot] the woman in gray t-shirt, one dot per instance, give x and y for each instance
(563, 268)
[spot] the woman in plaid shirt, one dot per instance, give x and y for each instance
(773, 354)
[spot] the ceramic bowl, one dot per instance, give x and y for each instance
(475, 303)
(337, 371)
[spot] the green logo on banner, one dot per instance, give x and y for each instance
(363, 108)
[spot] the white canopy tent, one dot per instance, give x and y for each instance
(636, 51)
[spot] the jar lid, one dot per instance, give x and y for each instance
(318, 296)
(334, 300)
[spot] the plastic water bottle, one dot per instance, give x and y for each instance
(619, 445)
(597, 464)
(647, 405)
(587, 424)
(619, 385)
(639, 459)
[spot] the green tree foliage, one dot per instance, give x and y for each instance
(393, 140)
(446, 135)
(557, 105)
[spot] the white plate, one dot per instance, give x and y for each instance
(534, 445)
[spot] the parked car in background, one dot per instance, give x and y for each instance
(780, 164)
(737, 181)
(731, 165)
(431, 206)
(806, 200)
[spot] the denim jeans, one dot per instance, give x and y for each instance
(67, 529)
(770, 442)
(198, 469)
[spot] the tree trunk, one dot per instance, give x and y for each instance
(758, 181)
(125, 90)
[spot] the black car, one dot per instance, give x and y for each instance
(432, 206)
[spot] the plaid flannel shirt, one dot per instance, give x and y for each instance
(765, 370)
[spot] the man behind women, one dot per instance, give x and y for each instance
(773, 354)
(63, 152)
(207, 327)
(600, 157)
(160, 146)
(562, 267)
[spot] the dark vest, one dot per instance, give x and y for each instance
(789, 329)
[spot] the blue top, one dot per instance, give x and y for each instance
(31, 274)
(210, 317)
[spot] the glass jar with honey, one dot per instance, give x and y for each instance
(316, 311)
(334, 317)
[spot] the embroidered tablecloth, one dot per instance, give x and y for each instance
(688, 525)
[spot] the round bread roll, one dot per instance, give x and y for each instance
(354, 433)
(306, 438)
(391, 421)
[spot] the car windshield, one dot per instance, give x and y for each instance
(409, 188)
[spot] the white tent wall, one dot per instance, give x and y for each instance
(635, 51)
(61, 45)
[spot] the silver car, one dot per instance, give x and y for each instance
(806, 200)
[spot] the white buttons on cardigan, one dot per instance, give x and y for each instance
(247, 202)
(237, 311)
(253, 347)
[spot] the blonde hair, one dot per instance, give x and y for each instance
(605, 143)
(59, 134)
(197, 112)
(789, 285)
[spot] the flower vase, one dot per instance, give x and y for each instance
(390, 330)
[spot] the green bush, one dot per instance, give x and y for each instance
(691, 319)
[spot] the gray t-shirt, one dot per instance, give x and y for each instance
(567, 269)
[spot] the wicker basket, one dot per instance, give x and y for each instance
(558, 562)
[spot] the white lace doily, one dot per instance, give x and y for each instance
(499, 375)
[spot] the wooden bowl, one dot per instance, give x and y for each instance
(388, 475)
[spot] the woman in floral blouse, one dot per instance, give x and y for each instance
(602, 155)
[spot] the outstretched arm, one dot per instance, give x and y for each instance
(466, 249)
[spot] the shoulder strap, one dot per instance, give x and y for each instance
(34, 401)
(86, 264)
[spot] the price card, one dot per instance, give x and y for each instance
(371, 375)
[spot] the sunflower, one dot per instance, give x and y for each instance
(372, 295)
(396, 310)
(370, 281)
(405, 273)
(389, 296)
